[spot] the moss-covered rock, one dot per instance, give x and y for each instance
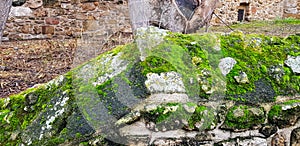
(92, 102)
(285, 114)
(243, 117)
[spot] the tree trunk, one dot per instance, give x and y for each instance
(5, 6)
(185, 16)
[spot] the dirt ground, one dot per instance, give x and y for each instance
(26, 63)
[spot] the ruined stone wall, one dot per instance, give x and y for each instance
(292, 8)
(72, 18)
(66, 19)
(254, 10)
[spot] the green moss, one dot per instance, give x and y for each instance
(55, 141)
(245, 118)
(84, 143)
(292, 101)
(165, 115)
(275, 111)
(287, 21)
(154, 64)
(203, 114)
(255, 54)
(78, 135)
(18, 118)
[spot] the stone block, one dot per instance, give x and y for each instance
(20, 11)
(37, 30)
(33, 4)
(52, 20)
(41, 12)
(25, 29)
(47, 30)
(88, 6)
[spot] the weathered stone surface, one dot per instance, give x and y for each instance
(242, 78)
(52, 21)
(170, 82)
(226, 64)
(105, 101)
(26, 29)
(48, 30)
(34, 3)
(88, 6)
(293, 63)
(20, 11)
(257, 141)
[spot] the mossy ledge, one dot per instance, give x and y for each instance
(180, 86)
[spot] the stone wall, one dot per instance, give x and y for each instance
(292, 8)
(256, 10)
(72, 18)
(66, 19)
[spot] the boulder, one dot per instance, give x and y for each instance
(117, 98)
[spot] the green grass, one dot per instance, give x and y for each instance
(287, 21)
(277, 27)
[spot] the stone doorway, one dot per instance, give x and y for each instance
(243, 12)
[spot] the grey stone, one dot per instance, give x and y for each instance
(254, 141)
(293, 63)
(170, 82)
(291, 11)
(20, 11)
(242, 78)
(276, 72)
(226, 65)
